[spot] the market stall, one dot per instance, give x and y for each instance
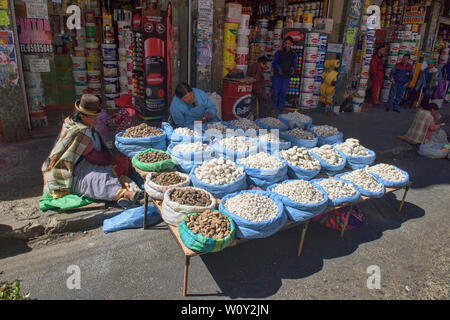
(256, 28)
(219, 192)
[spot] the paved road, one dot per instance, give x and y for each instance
(411, 250)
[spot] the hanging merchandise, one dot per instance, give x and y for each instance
(229, 47)
(293, 96)
(154, 35)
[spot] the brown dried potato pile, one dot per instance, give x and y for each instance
(190, 197)
(211, 224)
(153, 156)
(141, 131)
(167, 178)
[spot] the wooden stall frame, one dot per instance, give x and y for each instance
(189, 253)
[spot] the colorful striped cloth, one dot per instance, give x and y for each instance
(200, 243)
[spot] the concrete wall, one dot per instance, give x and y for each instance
(12, 109)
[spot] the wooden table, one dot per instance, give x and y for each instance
(188, 253)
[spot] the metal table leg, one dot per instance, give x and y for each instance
(186, 270)
(403, 200)
(145, 210)
(302, 239)
(347, 216)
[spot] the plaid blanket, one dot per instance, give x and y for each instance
(418, 130)
(58, 167)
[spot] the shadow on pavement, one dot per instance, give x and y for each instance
(11, 247)
(255, 269)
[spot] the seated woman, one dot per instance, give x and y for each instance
(191, 105)
(80, 163)
(426, 131)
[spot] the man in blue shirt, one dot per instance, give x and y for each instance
(284, 64)
(191, 104)
(401, 75)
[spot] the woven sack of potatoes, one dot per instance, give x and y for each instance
(156, 191)
(172, 212)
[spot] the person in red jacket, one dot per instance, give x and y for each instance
(377, 75)
(256, 70)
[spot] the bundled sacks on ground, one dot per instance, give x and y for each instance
(219, 176)
(181, 201)
(356, 155)
(139, 138)
(302, 199)
(187, 155)
(263, 169)
(256, 213)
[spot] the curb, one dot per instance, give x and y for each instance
(56, 223)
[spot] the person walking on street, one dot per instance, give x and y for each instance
(256, 70)
(284, 63)
(401, 75)
(377, 75)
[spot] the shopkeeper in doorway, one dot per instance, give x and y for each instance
(191, 104)
(256, 70)
(284, 64)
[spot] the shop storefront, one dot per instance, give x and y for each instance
(256, 28)
(121, 47)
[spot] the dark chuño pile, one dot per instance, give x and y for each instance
(141, 131)
(191, 197)
(167, 178)
(211, 224)
(153, 156)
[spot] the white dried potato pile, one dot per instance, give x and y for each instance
(272, 122)
(238, 144)
(251, 206)
(295, 116)
(328, 154)
(218, 171)
(186, 132)
(353, 148)
(325, 130)
(300, 157)
(217, 126)
(270, 137)
(337, 188)
(387, 172)
(300, 191)
(301, 134)
(244, 124)
(190, 147)
(262, 160)
(364, 180)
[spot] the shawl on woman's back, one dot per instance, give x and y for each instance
(418, 130)
(57, 169)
